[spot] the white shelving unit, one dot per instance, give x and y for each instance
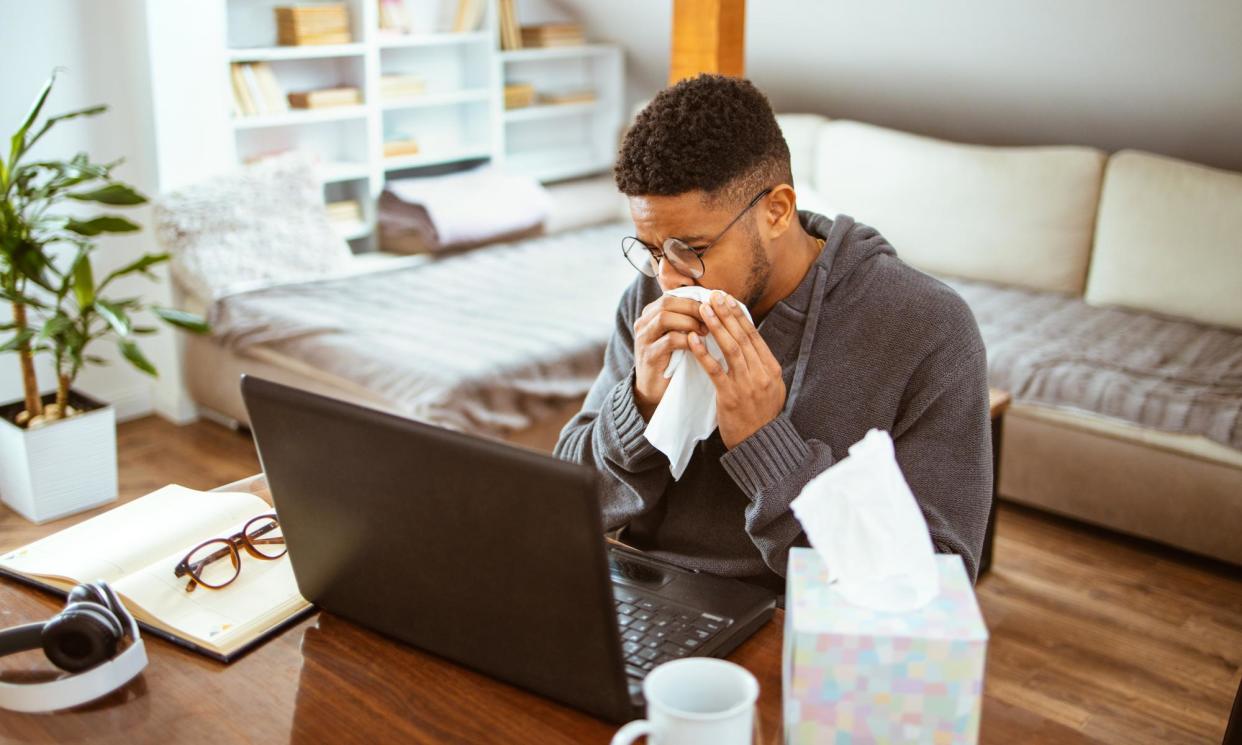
(458, 119)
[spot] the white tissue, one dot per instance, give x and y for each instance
(687, 412)
(863, 521)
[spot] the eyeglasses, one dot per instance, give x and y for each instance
(261, 537)
(687, 260)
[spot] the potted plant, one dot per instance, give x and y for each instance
(58, 452)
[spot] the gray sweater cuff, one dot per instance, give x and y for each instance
(628, 424)
(766, 457)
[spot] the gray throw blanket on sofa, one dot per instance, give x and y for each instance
(1162, 373)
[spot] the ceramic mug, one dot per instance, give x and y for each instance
(696, 701)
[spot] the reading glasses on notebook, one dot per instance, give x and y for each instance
(685, 259)
(261, 537)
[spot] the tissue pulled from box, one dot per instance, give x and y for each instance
(864, 522)
(686, 413)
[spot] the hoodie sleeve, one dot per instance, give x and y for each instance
(609, 432)
(943, 445)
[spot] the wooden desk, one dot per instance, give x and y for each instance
(323, 680)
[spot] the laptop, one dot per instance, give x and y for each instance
(486, 554)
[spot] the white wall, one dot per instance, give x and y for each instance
(103, 46)
(1150, 74)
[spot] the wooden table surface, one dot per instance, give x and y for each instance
(323, 680)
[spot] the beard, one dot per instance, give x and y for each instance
(760, 272)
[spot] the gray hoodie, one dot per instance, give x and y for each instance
(864, 341)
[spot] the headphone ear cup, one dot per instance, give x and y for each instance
(81, 637)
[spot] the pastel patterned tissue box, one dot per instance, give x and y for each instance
(856, 675)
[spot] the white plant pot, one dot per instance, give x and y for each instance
(62, 467)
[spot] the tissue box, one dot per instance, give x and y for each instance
(852, 674)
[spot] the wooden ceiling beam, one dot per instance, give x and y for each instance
(708, 36)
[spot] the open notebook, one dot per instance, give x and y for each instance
(135, 548)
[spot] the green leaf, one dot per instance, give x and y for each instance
(83, 281)
(136, 358)
(96, 360)
(141, 265)
(17, 143)
(115, 317)
(180, 318)
(54, 326)
(114, 193)
(54, 120)
(17, 341)
(143, 330)
(102, 224)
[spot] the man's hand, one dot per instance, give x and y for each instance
(752, 392)
(662, 328)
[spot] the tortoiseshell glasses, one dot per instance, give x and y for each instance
(261, 537)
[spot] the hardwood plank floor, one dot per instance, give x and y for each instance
(1095, 638)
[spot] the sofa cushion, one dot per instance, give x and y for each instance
(1169, 239)
(1156, 372)
(1014, 215)
(801, 132)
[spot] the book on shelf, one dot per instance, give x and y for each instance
(256, 90)
(553, 35)
(469, 15)
(400, 146)
(298, 25)
(325, 98)
(566, 96)
(401, 86)
(393, 17)
(136, 547)
(344, 212)
(241, 91)
(519, 95)
(510, 32)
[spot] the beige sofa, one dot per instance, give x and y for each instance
(1134, 240)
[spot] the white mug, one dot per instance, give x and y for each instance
(696, 701)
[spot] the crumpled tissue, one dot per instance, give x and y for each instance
(687, 412)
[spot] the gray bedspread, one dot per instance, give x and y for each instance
(487, 341)
(1158, 372)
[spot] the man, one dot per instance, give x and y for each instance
(847, 338)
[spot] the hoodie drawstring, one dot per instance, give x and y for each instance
(808, 336)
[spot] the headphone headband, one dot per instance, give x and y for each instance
(90, 684)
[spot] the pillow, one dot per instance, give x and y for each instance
(1012, 215)
(260, 224)
(1169, 239)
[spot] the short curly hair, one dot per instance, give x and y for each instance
(711, 133)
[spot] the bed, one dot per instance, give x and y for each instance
(502, 341)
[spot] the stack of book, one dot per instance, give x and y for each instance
(399, 146)
(325, 97)
(297, 25)
(469, 15)
(401, 86)
(255, 89)
(553, 35)
(345, 213)
(510, 33)
(518, 95)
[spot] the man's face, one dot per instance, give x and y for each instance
(738, 263)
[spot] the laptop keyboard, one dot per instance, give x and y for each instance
(653, 632)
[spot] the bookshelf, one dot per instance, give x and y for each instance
(457, 116)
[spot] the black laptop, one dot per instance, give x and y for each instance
(481, 552)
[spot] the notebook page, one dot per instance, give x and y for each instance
(127, 538)
(207, 615)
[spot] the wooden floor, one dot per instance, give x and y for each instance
(1095, 638)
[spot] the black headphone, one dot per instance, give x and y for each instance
(82, 639)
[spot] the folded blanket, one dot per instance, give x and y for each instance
(460, 209)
